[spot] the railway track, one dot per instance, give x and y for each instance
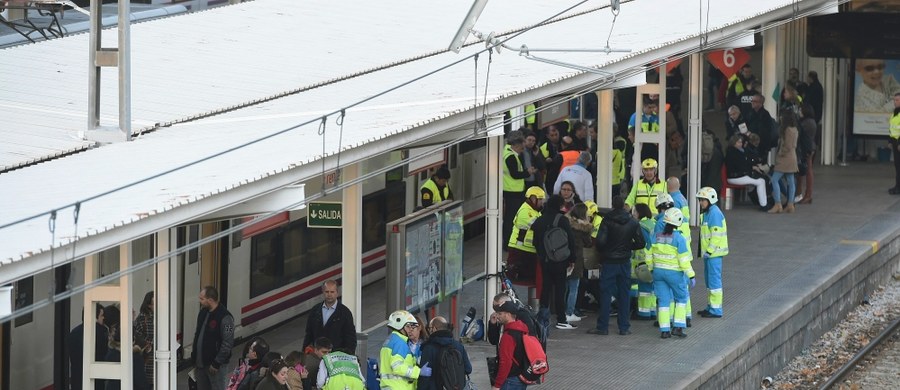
(876, 366)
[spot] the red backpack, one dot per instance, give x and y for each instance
(530, 356)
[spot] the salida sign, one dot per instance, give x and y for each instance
(324, 214)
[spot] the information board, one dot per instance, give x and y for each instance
(423, 262)
(453, 250)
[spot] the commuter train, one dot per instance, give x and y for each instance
(267, 274)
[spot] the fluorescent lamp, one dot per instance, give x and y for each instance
(468, 23)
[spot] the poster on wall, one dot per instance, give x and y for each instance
(875, 83)
(423, 261)
(453, 250)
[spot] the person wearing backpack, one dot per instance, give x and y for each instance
(509, 367)
(447, 358)
(618, 236)
(555, 244)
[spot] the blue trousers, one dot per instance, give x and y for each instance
(572, 283)
(615, 280)
(513, 383)
(669, 285)
(713, 273)
(776, 186)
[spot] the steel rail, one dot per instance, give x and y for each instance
(850, 366)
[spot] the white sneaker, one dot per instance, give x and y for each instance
(565, 326)
(798, 198)
(572, 318)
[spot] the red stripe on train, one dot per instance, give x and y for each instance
(304, 285)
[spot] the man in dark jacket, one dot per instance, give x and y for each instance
(554, 273)
(213, 341)
(76, 348)
(618, 235)
(332, 320)
(440, 337)
(760, 122)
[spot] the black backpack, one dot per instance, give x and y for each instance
(452, 372)
(556, 242)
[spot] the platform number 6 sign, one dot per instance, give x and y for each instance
(729, 61)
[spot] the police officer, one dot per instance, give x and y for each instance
(648, 188)
(713, 247)
(397, 364)
(436, 189)
(670, 262)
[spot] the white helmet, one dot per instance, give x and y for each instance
(665, 199)
(673, 216)
(709, 194)
(400, 318)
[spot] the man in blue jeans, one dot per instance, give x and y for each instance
(619, 234)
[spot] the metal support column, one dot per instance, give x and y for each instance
(695, 119)
(99, 57)
(164, 343)
(771, 68)
(120, 293)
(605, 120)
(351, 263)
(658, 138)
(493, 250)
(830, 110)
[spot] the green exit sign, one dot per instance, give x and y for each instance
(324, 214)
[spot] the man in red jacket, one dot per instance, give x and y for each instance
(508, 370)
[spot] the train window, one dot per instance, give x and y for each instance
(379, 208)
(285, 255)
(185, 236)
(24, 297)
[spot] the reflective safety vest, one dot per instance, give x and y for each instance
(649, 123)
(738, 84)
(640, 255)
(396, 364)
(511, 184)
(529, 113)
(646, 193)
(596, 223)
(569, 157)
(545, 150)
(522, 223)
(438, 195)
(682, 204)
(713, 232)
(343, 372)
(618, 160)
(670, 252)
(685, 228)
(895, 126)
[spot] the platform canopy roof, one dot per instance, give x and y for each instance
(208, 82)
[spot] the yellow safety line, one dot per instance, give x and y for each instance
(872, 243)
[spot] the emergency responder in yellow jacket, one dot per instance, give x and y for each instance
(396, 364)
(713, 247)
(663, 203)
(340, 371)
(523, 258)
(669, 260)
(436, 189)
(895, 144)
(514, 175)
(648, 188)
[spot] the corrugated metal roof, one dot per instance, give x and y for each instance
(388, 118)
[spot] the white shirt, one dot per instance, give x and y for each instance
(327, 312)
(580, 177)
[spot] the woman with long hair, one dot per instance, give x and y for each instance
(570, 197)
(143, 328)
(582, 228)
(785, 162)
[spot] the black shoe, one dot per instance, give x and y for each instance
(678, 332)
(624, 332)
(665, 335)
(707, 314)
(656, 324)
(598, 332)
(688, 322)
(894, 191)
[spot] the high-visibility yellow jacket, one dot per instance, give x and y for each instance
(396, 364)
(713, 232)
(522, 237)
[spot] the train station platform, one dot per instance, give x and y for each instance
(789, 278)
